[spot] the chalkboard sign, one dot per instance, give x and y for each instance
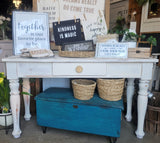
(67, 31)
(155, 49)
(30, 30)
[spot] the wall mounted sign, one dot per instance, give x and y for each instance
(67, 31)
(30, 30)
(51, 7)
(78, 8)
(111, 49)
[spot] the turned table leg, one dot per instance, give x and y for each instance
(15, 106)
(130, 93)
(142, 106)
(26, 98)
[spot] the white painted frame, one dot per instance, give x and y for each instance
(31, 25)
(148, 24)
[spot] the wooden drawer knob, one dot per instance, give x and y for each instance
(79, 69)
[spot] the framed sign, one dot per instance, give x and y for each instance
(79, 46)
(67, 31)
(112, 49)
(30, 30)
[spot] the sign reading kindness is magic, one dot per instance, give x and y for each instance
(67, 31)
(30, 30)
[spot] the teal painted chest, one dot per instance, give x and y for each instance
(57, 108)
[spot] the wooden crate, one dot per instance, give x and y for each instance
(138, 52)
(152, 121)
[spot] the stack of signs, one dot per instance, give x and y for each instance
(111, 49)
(67, 31)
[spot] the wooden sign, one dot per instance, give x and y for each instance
(79, 8)
(112, 49)
(30, 30)
(51, 7)
(67, 31)
(94, 26)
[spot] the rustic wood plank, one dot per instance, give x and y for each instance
(34, 5)
(158, 125)
(138, 52)
(107, 12)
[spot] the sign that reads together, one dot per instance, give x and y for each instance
(30, 30)
(67, 31)
(112, 49)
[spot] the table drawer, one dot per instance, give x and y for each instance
(73, 69)
(34, 69)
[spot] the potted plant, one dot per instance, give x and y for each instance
(5, 112)
(5, 109)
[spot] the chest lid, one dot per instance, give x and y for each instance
(65, 95)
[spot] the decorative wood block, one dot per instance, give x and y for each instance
(138, 52)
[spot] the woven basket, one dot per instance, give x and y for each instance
(83, 89)
(110, 89)
(76, 54)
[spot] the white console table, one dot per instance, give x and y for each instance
(59, 67)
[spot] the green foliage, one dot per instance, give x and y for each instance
(152, 40)
(131, 36)
(4, 94)
(119, 26)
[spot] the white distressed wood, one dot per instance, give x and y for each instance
(142, 106)
(89, 69)
(11, 70)
(147, 71)
(127, 70)
(27, 69)
(15, 106)
(59, 67)
(26, 98)
(130, 93)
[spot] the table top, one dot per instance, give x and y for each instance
(58, 59)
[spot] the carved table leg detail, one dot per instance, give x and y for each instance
(130, 93)
(26, 98)
(142, 106)
(15, 106)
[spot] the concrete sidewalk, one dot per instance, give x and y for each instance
(32, 133)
